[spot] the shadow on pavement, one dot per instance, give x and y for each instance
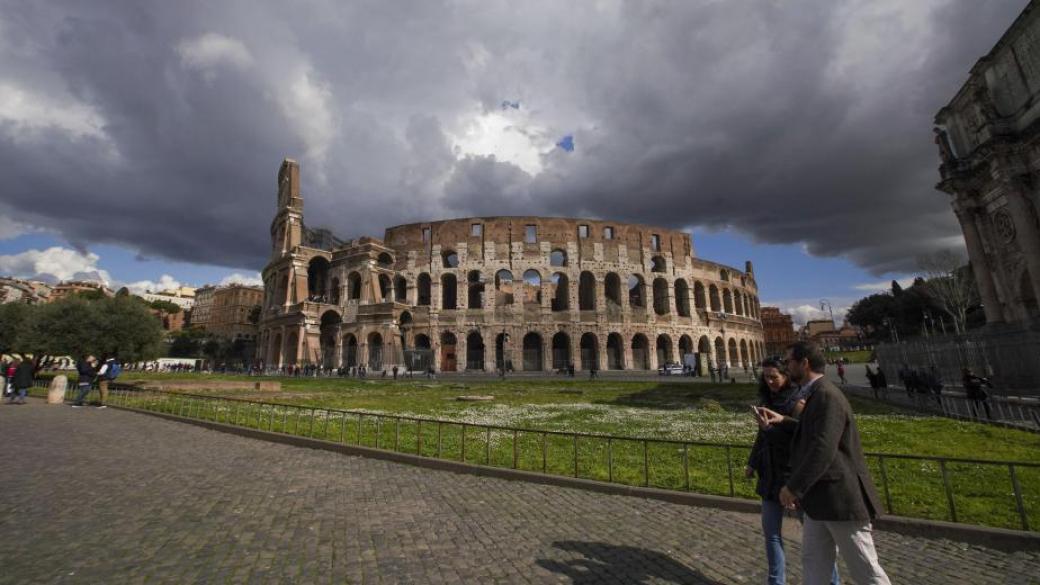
(604, 562)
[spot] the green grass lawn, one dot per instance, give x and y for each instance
(672, 417)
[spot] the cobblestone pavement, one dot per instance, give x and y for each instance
(108, 496)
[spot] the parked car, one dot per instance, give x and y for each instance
(670, 369)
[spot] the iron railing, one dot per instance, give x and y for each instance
(1012, 411)
(972, 491)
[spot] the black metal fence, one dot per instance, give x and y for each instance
(997, 493)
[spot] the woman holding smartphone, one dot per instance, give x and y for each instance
(769, 460)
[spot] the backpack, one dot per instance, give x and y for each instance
(113, 371)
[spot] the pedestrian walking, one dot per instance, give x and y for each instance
(829, 479)
(841, 372)
(769, 461)
(86, 369)
(973, 388)
(24, 374)
(593, 370)
(872, 379)
(108, 372)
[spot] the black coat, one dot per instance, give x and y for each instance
(771, 452)
(23, 375)
(829, 475)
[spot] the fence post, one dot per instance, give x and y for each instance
(343, 427)
(487, 455)
(575, 454)
(359, 417)
(516, 449)
(729, 469)
(440, 424)
(310, 427)
(949, 492)
(418, 437)
(463, 442)
(1018, 497)
(610, 459)
(397, 433)
(686, 465)
(379, 421)
(646, 464)
(884, 484)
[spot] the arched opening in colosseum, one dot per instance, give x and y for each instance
(682, 298)
(640, 352)
(732, 356)
(745, 357)
(612, 291)
(385, 288)
(685, 348)
(503, 287)
(330, 322)
(636, 293)
(615, 352)
(334, 291)
(660, 296)
(423, 295)
(586, 291)
(561, 351)
(449, 362)
(720, 352)
(449, 259)
(291, 347)
(532, 287)
(354, 286)
(276, 351)
(422, 341)
(713, 298)
(318, 279)
(699, 300)
(400, 289)
(589, 347)
(385, 260)
(474, 351)
(350, 353)
(664, 350)
(703, 355)
(501, 363)
(375, 351)
(724, 275)
(449, 292)
(533, 352)
(404, 323)
(475, 290)
(727, 301)
(561, 292)
(657, 264)
(557, 258)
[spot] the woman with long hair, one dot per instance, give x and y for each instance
(769, 460)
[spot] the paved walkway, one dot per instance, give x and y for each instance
(107, 496)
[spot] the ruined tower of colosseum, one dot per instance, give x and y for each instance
(482, 293)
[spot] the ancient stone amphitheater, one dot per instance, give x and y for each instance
(483, 293)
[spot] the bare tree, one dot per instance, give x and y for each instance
(950, 284)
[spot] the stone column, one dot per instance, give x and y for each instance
(1026, 232)
(968, 217)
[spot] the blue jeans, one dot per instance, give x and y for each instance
(772, 527)
(772, 523)
(84, 389)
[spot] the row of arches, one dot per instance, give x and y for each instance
(530, 289)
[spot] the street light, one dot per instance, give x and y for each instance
(830, 308)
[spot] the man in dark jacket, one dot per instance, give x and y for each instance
(24, 374)
(829, 480)
(85, 367)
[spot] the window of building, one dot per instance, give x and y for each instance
(583, 231)
(426, 234)
(531, 234)
(476, 229)
(608, 233)
(655, 242)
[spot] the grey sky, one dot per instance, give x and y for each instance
(160, 125)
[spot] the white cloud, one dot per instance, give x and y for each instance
(10, 229)
(207, 52)
(54, 263)
(510, 136)
(165, 282)
(803, 312)
(29, 112)
(247, 279)
(883, 285)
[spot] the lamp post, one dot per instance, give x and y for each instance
(830, 308)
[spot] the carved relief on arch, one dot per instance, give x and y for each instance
(1004, 225)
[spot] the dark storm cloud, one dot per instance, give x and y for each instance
(161, 125)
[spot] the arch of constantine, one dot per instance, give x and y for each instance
(480, 294)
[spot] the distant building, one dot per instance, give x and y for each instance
(778, 329)
(72, 287)
(183, 297)
(30, 292)
(224, 311)
(229, 313)
(170, 321)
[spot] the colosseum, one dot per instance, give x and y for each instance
(487, 293)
